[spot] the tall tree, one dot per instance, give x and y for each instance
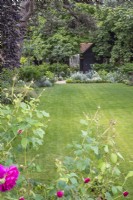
(14, 16)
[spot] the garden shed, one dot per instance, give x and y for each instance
(85, 59)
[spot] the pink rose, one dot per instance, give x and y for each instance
(125, 193)
(10, 175)
(87, 180)
(60, 194)
(2, 171)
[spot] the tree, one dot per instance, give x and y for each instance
(58, 34)
(14, 16)
(113, 40)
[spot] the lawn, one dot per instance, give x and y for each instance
(66, 104)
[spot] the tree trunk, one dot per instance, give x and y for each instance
(14, 18)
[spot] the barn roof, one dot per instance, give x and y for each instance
(85, 46)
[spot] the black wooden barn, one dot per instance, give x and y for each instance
(87, 58)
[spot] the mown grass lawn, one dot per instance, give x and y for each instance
(66, 104)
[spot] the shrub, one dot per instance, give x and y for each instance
(23, 61)
(48, 83)
(103, 74)
(50, 76)
(29, 73)
(116, 76)
(60, 78)
(24, 123)
(44, 82)
(83, 78)
(60, 69)
(104, 66)
(69, 81)
(127, 68)
(7, 75)
(78, 76)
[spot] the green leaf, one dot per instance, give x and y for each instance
(114, 190)
(120, 188)
(116, 171)
(38, 197)
(38, 168)
(84, 133)
(78, 146)
(106, 148)
(78, 152)
(84, 122)
(61, 184)
(103, 166)
(120, 156)
(113, 157)
(23, 105)
(95, 149)
(39, 115)
(24, 142)
(83, 164)
(73, 181)
(108, 196)
(45, 114)
(39, 132)
(72, 175)
(130, 174)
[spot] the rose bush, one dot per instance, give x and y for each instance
(90, 172)
(22, 130)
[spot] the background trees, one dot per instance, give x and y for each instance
(114, 40)
(55, 29)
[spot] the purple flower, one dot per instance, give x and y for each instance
(10, 175)
(87, 180)
(21, 198)
(60, 194)
(125, 193)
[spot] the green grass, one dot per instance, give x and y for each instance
(66, 104)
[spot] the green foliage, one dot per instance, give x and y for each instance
(23, 61)
(7, 75)
(100, 77)
(57, 47)
(91, 76)
(96, 157)
(29, 73)
(55, 35)
(127, 68)
(7, 94)
(104, 66)
(113, 39)
(43, 82)
(22, 130)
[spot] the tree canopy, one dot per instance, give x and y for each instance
(55, 29)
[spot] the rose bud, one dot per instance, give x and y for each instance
(20, 131)
(125, 193)
(87, 180)
(60, 194)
